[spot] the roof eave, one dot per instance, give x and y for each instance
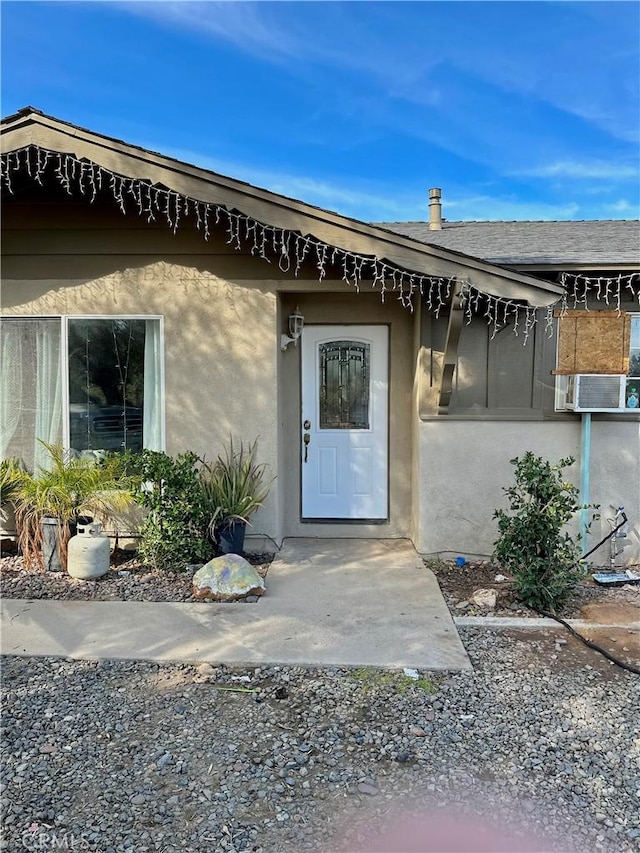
(31, 127)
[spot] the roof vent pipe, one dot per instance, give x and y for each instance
(435, 209)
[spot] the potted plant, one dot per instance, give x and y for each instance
(49, 503)
(233, 489)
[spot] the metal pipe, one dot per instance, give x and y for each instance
(585, 477)
(435, 209)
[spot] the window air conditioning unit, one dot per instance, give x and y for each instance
(594, 392)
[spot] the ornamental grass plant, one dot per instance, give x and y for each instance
(67, 488)
(233, 486)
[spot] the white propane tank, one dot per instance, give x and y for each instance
(88, 552)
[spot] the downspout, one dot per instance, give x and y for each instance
(585, 477)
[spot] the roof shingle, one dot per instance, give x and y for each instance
(601, 243)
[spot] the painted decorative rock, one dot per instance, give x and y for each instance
(227, 578)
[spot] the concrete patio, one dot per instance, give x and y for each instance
(342, 602)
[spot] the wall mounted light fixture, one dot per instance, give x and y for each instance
(296, 325)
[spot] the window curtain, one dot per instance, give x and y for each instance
(30, 389)
(11, 385)
(48, 392)
(152, 423)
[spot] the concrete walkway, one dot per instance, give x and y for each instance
(329, 602)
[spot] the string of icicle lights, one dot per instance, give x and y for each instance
(608, 289)
(291, 248)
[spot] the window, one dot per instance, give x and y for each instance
(633, 380)
(91, 383)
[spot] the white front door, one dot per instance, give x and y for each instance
(344, 422)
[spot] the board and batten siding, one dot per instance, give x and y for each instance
(496, 375)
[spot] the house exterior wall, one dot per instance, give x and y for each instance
(498, 375)
(223, 314)
(503, 405)
(464, 467)
(225, 374)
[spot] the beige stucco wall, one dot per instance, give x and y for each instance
(224, 371)
(464, 465)
(220, 350)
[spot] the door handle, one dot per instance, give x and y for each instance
(306, 438)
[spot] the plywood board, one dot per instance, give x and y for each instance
(593, 342)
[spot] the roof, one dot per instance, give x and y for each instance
(605, 244)
(30, 127)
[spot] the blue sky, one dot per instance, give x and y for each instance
(518, 110)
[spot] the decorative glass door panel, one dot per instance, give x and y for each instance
(344, 384)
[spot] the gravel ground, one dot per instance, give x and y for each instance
(129, 580)
(458, 583)
(541, 739)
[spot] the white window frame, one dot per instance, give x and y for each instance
(562, 383)
(635, 315)
(64, 361)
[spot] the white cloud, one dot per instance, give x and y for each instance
(389, 51)
(240, 23)
(380, 202)
(277, 32)
(484, 207)
(622, 206)
(365, 204)
(596, 170)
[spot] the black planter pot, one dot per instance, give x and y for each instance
(231, 537)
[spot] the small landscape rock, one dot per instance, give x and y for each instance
(485, 598)
(417, 731)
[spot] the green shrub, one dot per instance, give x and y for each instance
(533, 544)
(174, 532)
